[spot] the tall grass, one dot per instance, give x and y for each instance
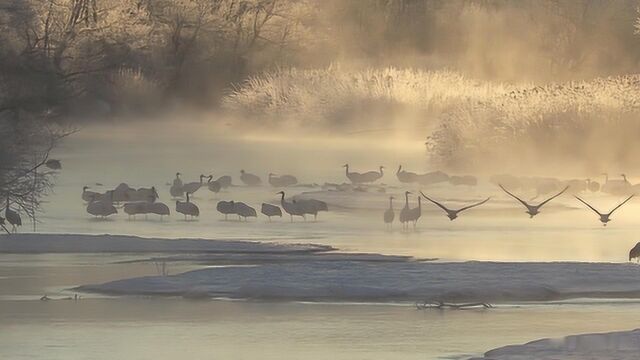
(589, 126)
(474, 125)
(337, 97)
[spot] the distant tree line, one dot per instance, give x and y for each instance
(104, 57)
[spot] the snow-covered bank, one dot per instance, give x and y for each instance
(401, 281)
(75, 243)
(621, 345)
(275, 257)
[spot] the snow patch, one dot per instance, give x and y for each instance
(351, 280)
(621, 345)
(76, 243)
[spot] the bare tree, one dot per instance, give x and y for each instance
(25, 165)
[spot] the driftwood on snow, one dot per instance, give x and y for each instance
(443, 305)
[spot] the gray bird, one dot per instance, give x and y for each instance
(53, 164)
(404, 213)
(311, 206)
(270, 210)
(533, 210)
(249, 179)
(453, 214)
(3, 226)
(187, 208)
(225, 207)
(12, 217)
(389, 214)
(244, 211)
(635, 252)
(604, 218)
(291, 208)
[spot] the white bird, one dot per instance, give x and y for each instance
(354, 177)
(389, 214)
(404, 213)
(291, 208)
(225, 207)
(270, 210)
(406, 176)
(243, 210)
(616, 187)
(453, 214)
(194, 186)
(187, 208)
(282, 181)
(604, 218)
(249, 179)
(12, 217)
(533, 210)
(371, 176)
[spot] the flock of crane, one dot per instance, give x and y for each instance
(143, 201)
(542, 186)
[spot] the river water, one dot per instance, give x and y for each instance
(99, 327)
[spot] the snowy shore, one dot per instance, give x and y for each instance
(352, 280)
(619, 345)
(78, 243)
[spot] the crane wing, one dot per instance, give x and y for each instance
(590, 207)
(553, 197)
(435, 202)
(474, 205)
(515, 197)
(622, 203)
